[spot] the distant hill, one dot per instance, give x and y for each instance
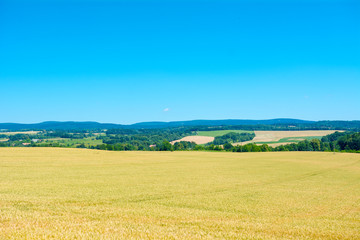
(227, 122)
(58, 126)
(95, 125)
(53, 125)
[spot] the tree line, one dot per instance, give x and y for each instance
(338, 141)
(233, 137)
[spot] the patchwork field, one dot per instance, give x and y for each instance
(48, 193)
(276, 138)
(272, 138)
(204, 137)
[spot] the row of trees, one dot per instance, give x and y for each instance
(163, 146)
(145, 139)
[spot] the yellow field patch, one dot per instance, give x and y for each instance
(25, 132)
(196, 139)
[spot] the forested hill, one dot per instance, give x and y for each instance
(227, 122)
(58, 126)
(272, 124)
(143, 125)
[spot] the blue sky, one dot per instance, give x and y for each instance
(133, 61)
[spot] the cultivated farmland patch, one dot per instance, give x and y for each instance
(24, 132)
(196, 139)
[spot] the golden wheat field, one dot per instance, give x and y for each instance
(48, 193)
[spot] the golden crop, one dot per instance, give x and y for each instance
(48, 193)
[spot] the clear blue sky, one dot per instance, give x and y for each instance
(133, 61)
